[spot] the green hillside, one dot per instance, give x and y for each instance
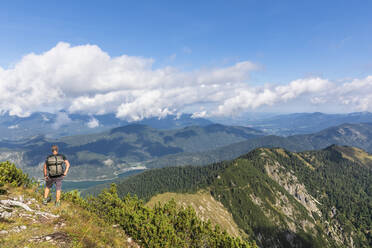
(279, 198)
(102, 221)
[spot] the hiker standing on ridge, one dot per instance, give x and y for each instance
(54, 173)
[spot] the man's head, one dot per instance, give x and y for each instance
(54, 149)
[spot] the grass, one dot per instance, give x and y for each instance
(205, 206)
(75, 227)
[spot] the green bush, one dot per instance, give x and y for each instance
(74, 197)
(9, 173)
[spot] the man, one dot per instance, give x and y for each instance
(54, 173)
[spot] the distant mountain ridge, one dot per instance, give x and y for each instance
(122, 148)
(306, 123)
(319, 198)
(64, 124)
(138, 146)
(358, 135)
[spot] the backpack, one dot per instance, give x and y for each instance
(54, 165)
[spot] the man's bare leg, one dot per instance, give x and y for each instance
(58, 195)
(46, 192)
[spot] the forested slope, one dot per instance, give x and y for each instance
(310, 199)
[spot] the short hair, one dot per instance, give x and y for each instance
(54, 147)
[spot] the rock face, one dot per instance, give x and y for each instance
(290, 182)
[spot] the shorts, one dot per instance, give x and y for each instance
(57, 180)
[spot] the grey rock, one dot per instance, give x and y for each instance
(6, 215)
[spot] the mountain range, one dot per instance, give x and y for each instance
(305, 123)
(64, 124)
(136, 147)
(106, 154)
(319, 198)
(358, 135)
(294, 123)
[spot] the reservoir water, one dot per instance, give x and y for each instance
(68, 185)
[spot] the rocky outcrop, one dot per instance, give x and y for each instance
(291, 183)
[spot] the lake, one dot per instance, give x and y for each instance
(69, 185)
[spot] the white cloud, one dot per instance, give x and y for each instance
(108, 162)
(200, 114)
(357, 93)
(251, 98)
(85, 79)
(62, 119)
(317, 100)
(93, 123)
(13, 126)
(44, 118)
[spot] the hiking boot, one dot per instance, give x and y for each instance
(45, 201)
(58, 203)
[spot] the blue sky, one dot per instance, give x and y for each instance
(286, 40)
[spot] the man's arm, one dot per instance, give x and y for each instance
(45, 171)
(67, 167)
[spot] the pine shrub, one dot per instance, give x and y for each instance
(10, 174)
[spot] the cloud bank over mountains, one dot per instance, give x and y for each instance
(85, 79)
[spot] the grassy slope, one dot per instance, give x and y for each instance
(75, 227)
(205, 206)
